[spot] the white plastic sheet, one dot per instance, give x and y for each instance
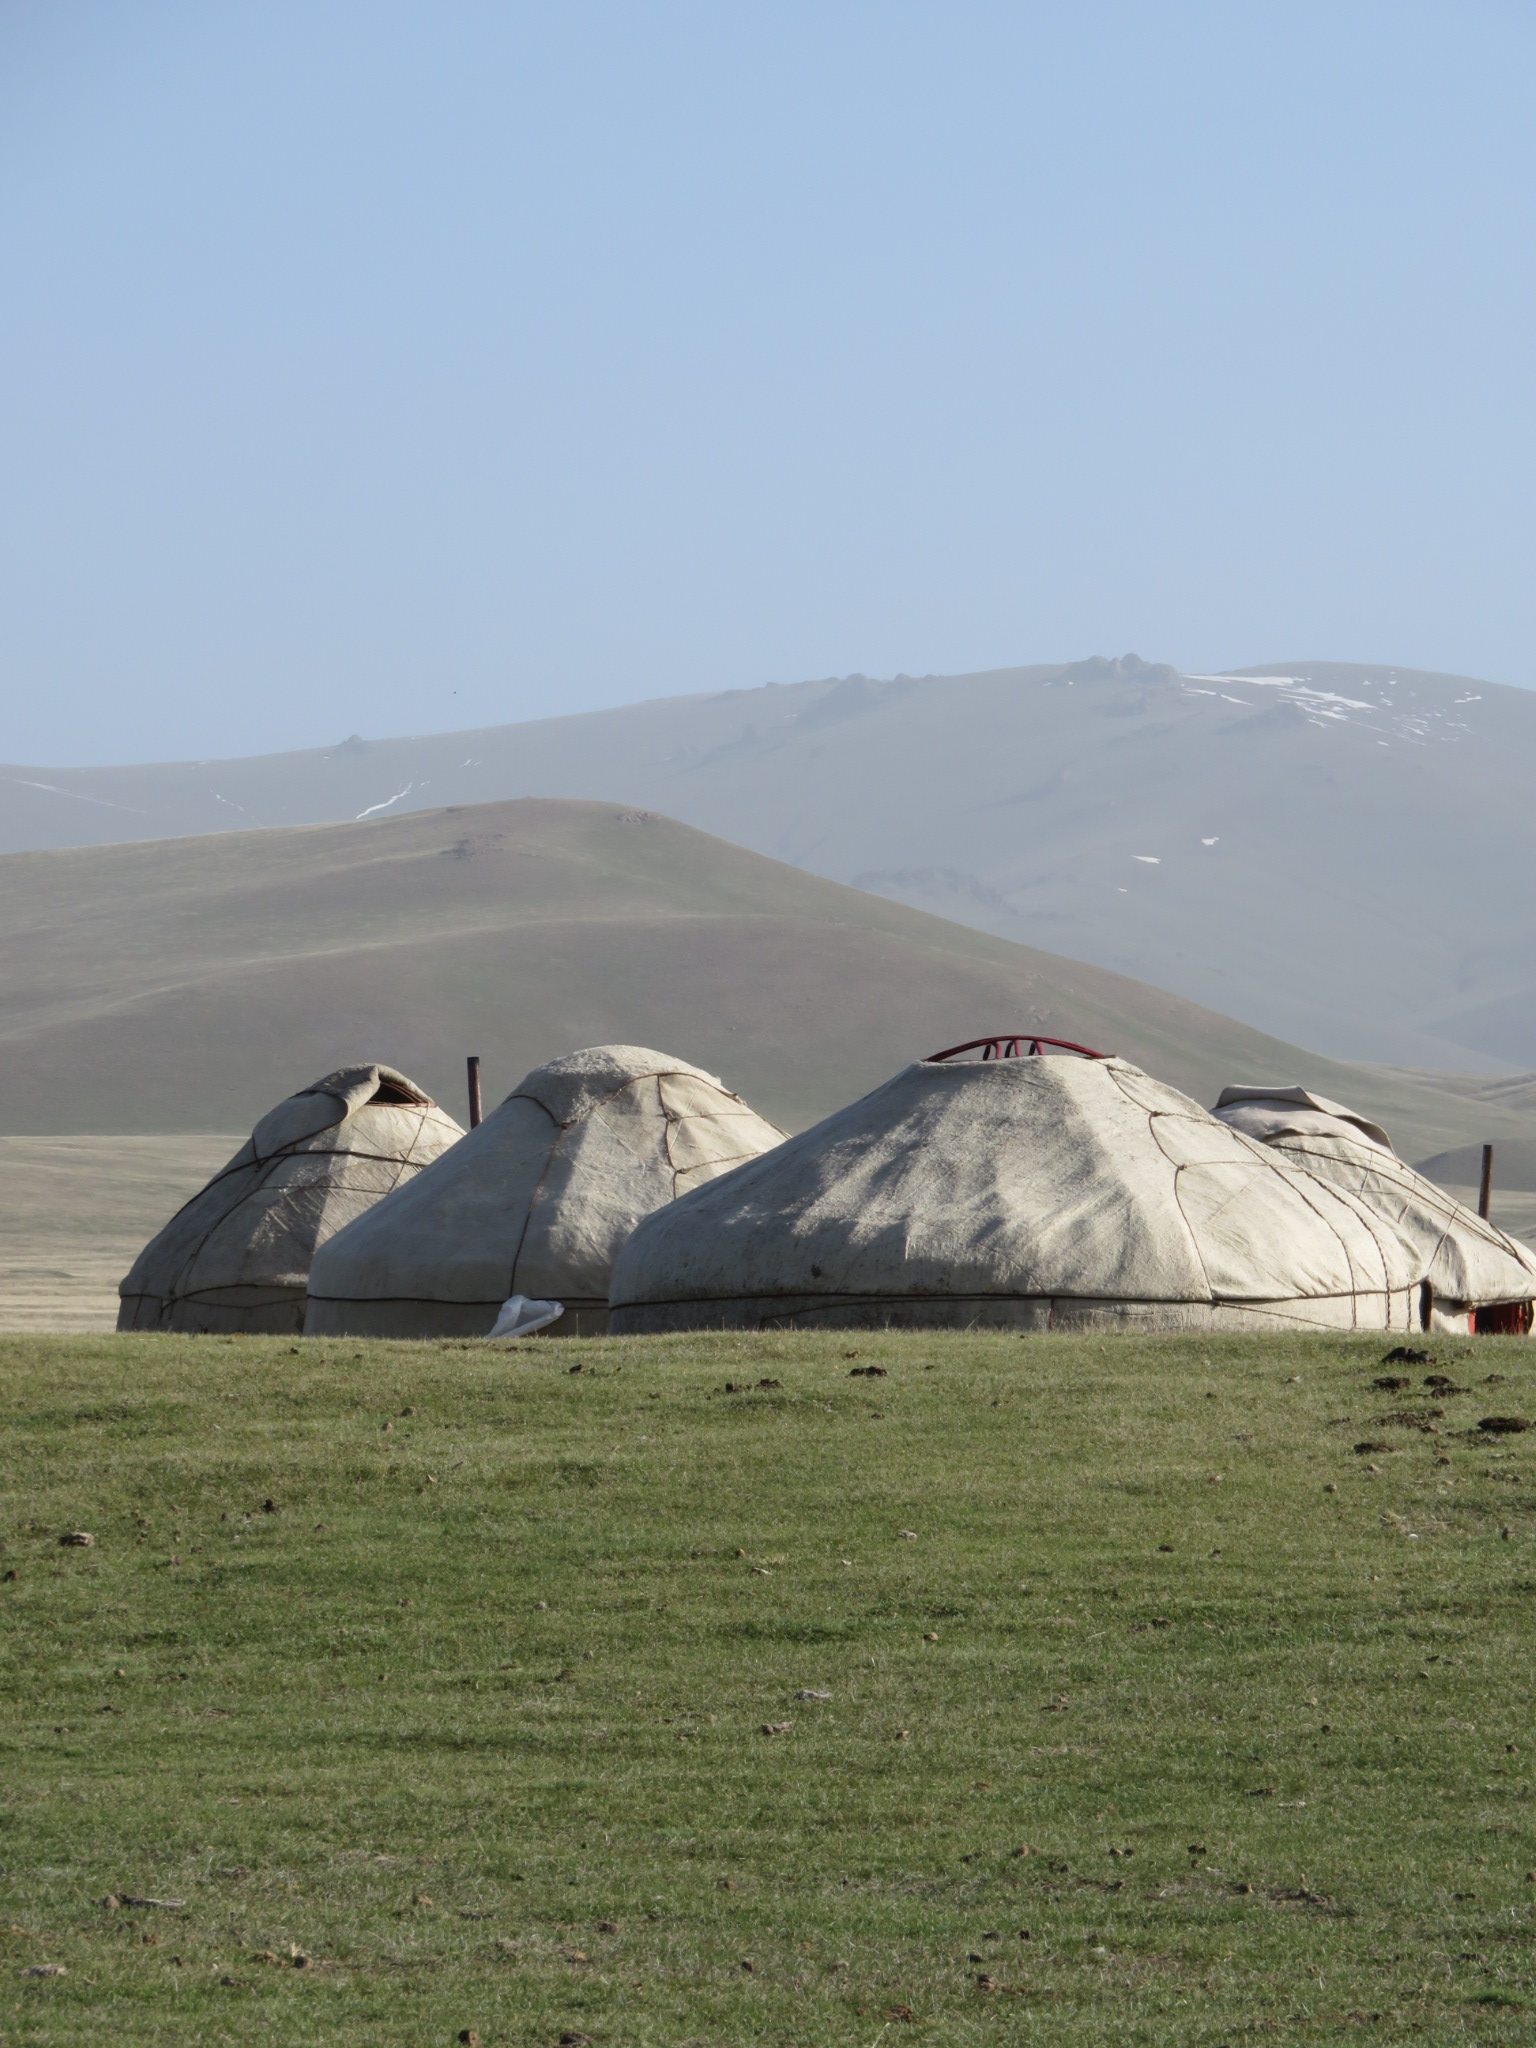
(520, 1316)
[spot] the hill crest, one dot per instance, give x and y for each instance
(185, 985)
(1335, 853)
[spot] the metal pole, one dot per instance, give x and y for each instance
(1485, 1187)
(473, 1064)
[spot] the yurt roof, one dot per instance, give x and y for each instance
(540, 1196)
(1268, 1113)
(1465, 1259)
(312, 1163)
(1026, 1180)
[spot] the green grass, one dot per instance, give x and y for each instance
(1144, 1734)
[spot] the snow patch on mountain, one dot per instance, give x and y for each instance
(1330, 709)
(388, 804)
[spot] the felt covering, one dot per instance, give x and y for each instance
(1466, 1262)
(1267, 1113)
(537, 1200)
(1028, 1193)
(237, 1256)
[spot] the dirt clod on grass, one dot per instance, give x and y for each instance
(1423, 1419)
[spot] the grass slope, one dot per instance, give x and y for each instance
(188, 984)
(427, 1687)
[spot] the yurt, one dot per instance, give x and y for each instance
(1022, 1185)
(237, 1256)
(1471, 1275)
(537, 1200)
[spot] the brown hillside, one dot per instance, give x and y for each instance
(185, 985)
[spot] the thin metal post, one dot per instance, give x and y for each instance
(1485, 1186)
(473, 1064)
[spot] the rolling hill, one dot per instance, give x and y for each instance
(1336, 854)
(184, 985)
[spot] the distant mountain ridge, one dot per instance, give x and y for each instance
(1335, 853)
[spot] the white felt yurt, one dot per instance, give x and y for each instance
(1033, 1193)
(1471, 1275)
(237, 1256)
(537, 1200)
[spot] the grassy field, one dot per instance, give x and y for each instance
(732, 1691)
(75, 1212)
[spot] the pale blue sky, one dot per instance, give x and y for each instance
(393, 367)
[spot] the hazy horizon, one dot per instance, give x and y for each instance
(392, 370)
(326, 740)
